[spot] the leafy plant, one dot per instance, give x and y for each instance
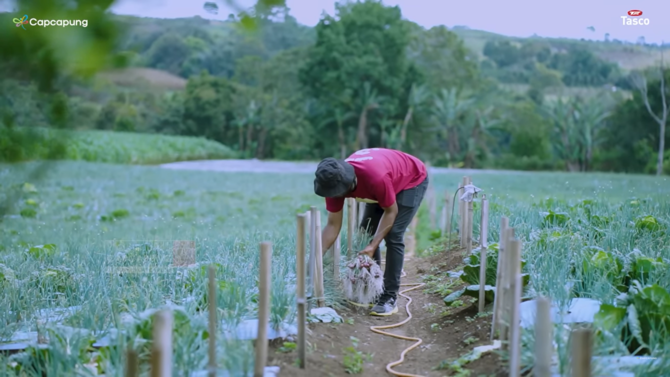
(470, 275)
(354, 359)
(551, 218)
(644, 313)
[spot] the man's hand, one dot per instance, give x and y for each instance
(369, 251)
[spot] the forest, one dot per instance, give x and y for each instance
(364, 77)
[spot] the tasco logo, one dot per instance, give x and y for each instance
(633, 20)
(20, 22)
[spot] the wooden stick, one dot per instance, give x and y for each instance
(318, 261)
(161, 350)
(543, 338)
(351, 226)
(337, 252)
(484, 223)
(483, 243)
(504, 222)
(132, 363)
(264, 281)
(211, 296)
(432, 208)
(360, 213)
(461, 212)
(311, 262)
(515, 302)
(300, 287)
(581, 349)
(482, 278)
(468, 228)
(446, 214)
(507, 270)
(464, 215)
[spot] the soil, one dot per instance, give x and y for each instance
(460, 330)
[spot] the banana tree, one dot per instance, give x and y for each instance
(481, 133)
(389, 133)
(448, 108)
(568, 140)
(249, 118)
(269, 114)
(368, 101)
(590, 117)
(415, 101)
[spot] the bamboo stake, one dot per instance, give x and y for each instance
(581, 350)
(515, 301)
(161, 350)
(313, 213)
(132, 363)
(351, 226)
(543, 338)
(264, 281)
(461, 213)
(318, 261)
(360, 213)
(464, 214)
(212, 320)
(484, 223)
(469, 226)
(446, 214)
(483, 233)
(482, 278)
(432, 209)
(336, 258)
(504, 223)
(300, 287)
(506, 289)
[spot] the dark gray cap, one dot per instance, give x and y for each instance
(333, 178)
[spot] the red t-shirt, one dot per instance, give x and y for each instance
(381, 174)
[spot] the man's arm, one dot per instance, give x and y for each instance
(331, 230)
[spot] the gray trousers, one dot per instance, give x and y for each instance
(408, 204)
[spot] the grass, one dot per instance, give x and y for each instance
(99, 241)
(33, 143)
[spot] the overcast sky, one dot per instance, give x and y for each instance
(564, 18)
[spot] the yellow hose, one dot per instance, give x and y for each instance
(377, 329)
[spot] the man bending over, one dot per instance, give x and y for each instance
(392, 184)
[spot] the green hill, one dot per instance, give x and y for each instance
(627, 56)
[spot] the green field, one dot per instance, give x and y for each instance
(70, 236)
(35, 143)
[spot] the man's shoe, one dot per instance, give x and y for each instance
(361, 305)
(386, 306)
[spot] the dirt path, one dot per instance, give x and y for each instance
(258, 166)
(446, 336)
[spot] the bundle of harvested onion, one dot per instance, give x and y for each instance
(364, 280)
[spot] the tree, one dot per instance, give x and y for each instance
(359, 54)
(207, 106)
(448, 108)
(443, 59)
(168, 53)
(577, 123)
(661, 118)
(415, 102)
(339, 118)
